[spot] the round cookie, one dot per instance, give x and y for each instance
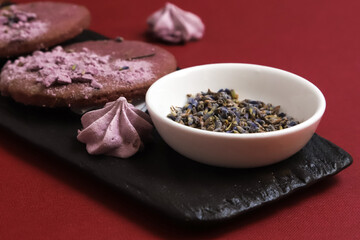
(25, 28)
(86, 74)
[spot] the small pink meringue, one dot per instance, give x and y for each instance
(118, 129)
(175, 25)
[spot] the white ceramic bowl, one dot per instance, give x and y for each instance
(297, 97)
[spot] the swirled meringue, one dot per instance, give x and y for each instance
(175, 25)
(118, 129)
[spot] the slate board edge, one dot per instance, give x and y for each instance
(187, 218)
(283, 196)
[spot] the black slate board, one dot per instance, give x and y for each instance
(163, 179)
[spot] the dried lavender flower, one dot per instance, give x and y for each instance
(221, 111)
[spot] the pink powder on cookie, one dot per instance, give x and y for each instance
(17, 25)
(119, 129)
(60, 67)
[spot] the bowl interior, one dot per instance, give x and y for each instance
(296, 96)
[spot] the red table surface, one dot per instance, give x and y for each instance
(41, 198)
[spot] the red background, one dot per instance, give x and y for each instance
(42, 198)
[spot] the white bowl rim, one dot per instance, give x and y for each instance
(299, 127)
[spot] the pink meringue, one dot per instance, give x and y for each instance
(118, 129)
(175, 25)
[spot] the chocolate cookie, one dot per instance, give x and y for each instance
(86, 74)
(25, 28)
